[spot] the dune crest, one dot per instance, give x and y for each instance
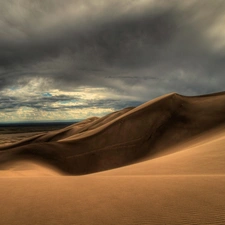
(123, 137)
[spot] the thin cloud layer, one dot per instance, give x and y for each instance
(134, 50)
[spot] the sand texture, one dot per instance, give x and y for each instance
(160, 163)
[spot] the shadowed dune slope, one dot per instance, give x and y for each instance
(124, 137)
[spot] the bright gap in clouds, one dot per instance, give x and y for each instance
(35, 101)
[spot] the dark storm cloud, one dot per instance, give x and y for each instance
(125, 42)
(161, 46)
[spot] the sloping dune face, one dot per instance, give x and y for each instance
(123, 137)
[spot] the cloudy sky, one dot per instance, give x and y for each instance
(72, 59)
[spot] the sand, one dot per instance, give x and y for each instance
(160, 163)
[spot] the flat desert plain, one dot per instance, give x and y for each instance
(162, 162)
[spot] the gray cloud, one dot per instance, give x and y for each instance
(137, 48)
(9, 104)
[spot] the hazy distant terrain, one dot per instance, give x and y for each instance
(10, 133)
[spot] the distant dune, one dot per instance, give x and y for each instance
(162, 162)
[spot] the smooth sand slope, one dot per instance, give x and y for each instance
(168, 157)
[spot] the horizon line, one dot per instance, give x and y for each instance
(41, 121)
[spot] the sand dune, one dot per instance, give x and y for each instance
(160, 163)
(124, 137)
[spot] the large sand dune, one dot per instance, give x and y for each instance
(160, 163)
(124, 137)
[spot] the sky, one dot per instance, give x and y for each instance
(74, 59)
